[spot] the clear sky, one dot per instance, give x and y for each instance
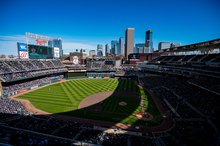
(86, 23)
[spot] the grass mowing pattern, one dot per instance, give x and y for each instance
(65, 98)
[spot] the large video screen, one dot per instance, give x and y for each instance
(40, 52)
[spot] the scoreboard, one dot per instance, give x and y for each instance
(40, 52)
(30, 51)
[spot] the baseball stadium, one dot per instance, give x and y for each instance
(167, 99)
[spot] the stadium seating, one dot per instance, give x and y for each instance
(100, 67)
(43, 130)
(9, 106)
(16, 87)
(15, 69)
(207, 58)
(190, 106)
(102, 64)
(176, 91)
(192, 124)
(186, 65)
(191, 102)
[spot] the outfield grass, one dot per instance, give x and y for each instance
(65, 98)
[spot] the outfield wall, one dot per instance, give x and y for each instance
(73, 75)
(90, 74)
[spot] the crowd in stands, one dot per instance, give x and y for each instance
(16, 87)
(103, 64)
(10, 106)
(45, 72)
(94, 65)
(15, 69)
(76, 67)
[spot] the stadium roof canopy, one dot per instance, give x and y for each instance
(208, 45)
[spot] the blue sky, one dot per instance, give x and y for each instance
(86, 23)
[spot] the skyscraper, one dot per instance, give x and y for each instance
(149, 40)
(140, 48)
(91, 53)
(56, 43)
(121, 50)
(99, 50)
(107, 50)
(114, 47)
(129, 41)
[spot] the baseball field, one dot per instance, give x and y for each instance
(99, 99)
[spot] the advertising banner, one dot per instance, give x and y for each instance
(22, 50)
(56, 52)
(33, 87)
(23, 55)
(22, 47)
(23, 90)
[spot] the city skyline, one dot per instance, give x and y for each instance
(81, 25)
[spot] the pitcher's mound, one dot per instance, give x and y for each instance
(95, 100)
